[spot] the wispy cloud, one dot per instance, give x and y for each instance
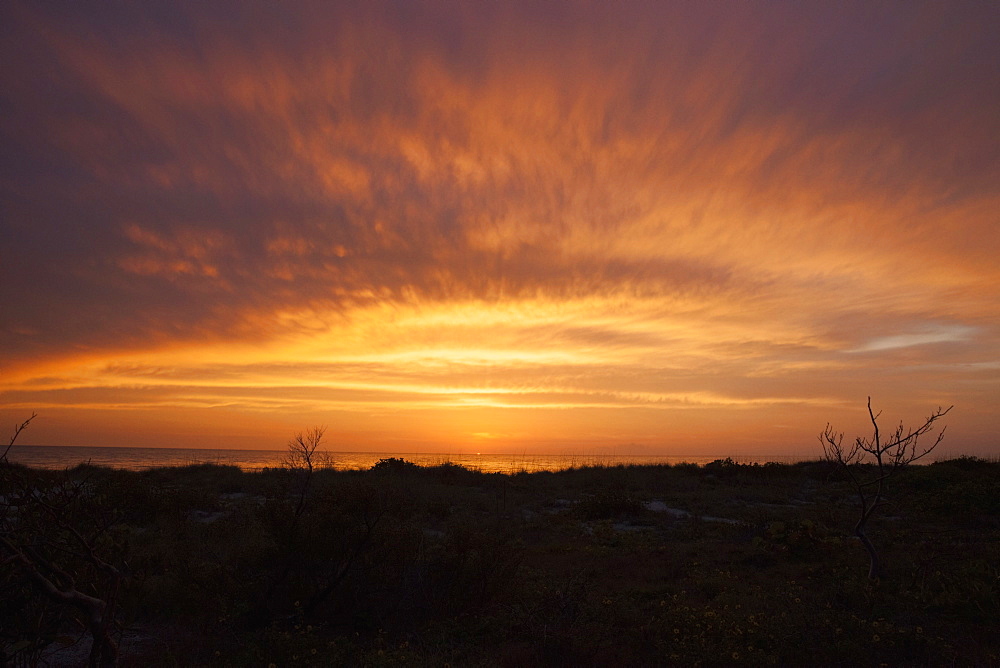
(926, 335)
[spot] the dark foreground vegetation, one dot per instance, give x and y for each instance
(402, 565)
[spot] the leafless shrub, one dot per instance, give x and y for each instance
(871, 461)
(51, 538)
(303, 454)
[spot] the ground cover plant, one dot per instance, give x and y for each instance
(632, 565)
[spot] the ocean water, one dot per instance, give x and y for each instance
(60, 457)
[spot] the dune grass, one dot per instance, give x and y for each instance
(630, 565)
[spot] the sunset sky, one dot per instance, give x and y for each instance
(564, 227)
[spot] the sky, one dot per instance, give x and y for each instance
(524, 227)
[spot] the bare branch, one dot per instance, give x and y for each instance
(888, 456)
(41, 539)
(17, 432)
(302, 449)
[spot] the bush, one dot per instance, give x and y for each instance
(396, 465)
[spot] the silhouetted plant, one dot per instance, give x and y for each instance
(303, 460)
(56, 532)
(302, 452)
(723, 467)
(870, 462)
(394, 465)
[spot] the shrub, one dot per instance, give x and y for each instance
(396, 465)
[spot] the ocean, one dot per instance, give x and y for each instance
(61, 457)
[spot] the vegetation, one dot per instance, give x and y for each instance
(633, 565)
(870, 462)
(61, 554)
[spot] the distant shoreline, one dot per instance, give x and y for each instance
(63, 456)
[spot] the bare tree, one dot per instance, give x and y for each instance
(302, 455)
(870, 463)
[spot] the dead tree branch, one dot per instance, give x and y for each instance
(40, 539)
(17, 432)
(888, 456)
